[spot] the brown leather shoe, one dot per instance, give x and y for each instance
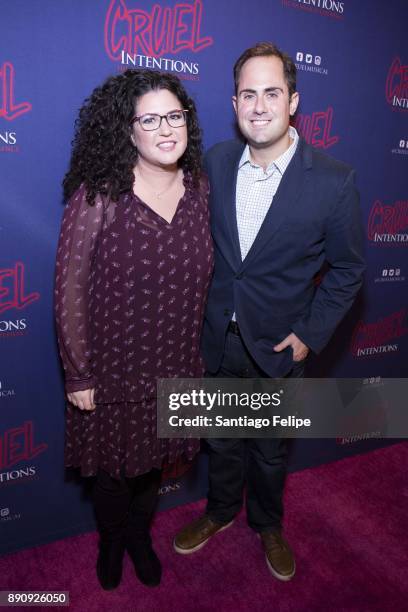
(279, 557)
(195, 535)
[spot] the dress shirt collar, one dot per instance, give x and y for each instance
(281, 163)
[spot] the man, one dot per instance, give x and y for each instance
(279, 209)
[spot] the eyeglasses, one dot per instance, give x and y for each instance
(151, 121)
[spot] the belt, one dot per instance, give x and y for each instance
(233, 328)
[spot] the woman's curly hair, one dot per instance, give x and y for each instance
(103, 155)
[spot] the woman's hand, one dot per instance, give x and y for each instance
(84, 400)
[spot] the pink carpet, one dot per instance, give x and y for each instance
(346, 521)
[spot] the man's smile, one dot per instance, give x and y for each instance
(260, 122)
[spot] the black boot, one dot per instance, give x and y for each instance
(111, 503)
(146, 563)
(109, 563)
(138, 541)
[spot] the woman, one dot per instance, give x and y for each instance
(133, 268)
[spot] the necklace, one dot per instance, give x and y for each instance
(158, 194)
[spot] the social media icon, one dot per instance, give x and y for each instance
(299, 56)
(309, 58)
(318, 60)
(402, 144)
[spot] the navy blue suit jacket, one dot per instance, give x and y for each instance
(314, 217)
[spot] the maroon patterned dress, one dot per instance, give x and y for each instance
(130, 294)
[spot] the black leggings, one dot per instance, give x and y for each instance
(125, 506)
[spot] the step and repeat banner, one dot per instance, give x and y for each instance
(352, 61)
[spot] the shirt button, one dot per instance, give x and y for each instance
(239, 276)
(227, 312)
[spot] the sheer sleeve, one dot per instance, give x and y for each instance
(80, 230)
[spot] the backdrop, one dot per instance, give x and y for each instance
(352, 64)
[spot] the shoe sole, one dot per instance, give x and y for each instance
(282, 577)
(188, 551)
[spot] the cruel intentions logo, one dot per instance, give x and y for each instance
(316, 128)
(13, 296)
(17, 445)
(359, 437)
(396, 86)
(139, 38)
(327, 8)
(379, 337)
(10, 109)
(388, 224)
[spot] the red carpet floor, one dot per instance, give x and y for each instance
(347, 522)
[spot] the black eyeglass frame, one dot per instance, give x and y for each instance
(176, 110)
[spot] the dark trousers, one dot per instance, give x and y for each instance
(258, 463)
(124, 508)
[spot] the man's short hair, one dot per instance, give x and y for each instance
(266, 49)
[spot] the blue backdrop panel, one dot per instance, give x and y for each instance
(352, 64)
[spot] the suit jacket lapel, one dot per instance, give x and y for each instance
(289, 190)
(230, 212)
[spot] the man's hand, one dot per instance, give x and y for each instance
(84, 400)
(300, 350)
